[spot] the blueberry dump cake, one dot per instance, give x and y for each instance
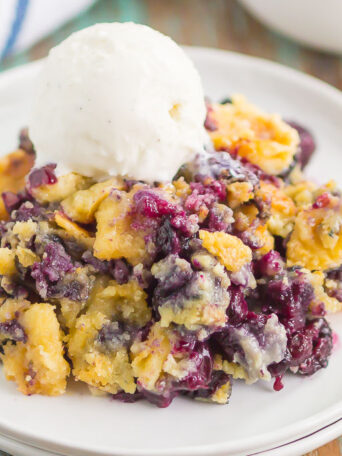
(151, 289)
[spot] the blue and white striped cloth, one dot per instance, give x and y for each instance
(24, 22)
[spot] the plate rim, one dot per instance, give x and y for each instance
(305, 444)
(311, 424)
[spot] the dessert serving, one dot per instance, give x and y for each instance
(155, 244)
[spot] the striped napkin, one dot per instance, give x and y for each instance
(24, 22)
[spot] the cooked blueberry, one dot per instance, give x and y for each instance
(13, 330)
(270, 264)
(166, 239)
(98, 265)
(202, 362)
(307, 144)
(55, 264)
(29, 210)
(321, 342)
(127, 397)
(120, 270)
(151, 205)
(11, 201)
(42, 176)
(113, 336)
(238, 308)
(210, 123)
(160, 400)
(218, 379)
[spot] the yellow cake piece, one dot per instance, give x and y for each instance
(202, 307)
(239, 193)
(283, 209)
(25, 231)
(108, 371)
(317, 280)
(73, 230)
(316, 241)
(264, 139)
(126, 302)
(148, 357)
(37, 366)
(7, 261)
(26, 257)
(245, 216)
(229, 250)
(10, 308)
(115, 238)
(154, 362)
(82, 205)
(66, 185)
(13, 169)
(265, 239)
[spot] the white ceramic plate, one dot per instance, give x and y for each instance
(296, 448)
(305, 444)
(257, 418)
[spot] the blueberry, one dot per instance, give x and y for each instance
(42, 176)
(13, 330)
(307, 144)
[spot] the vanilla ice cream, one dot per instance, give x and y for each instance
(118, 98)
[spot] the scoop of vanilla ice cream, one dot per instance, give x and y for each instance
(118, 98)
